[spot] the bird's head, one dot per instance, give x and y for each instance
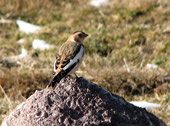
(78, 36)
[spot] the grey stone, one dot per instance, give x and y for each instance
(78, 102)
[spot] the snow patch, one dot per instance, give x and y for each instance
(152, 66)
(40, 44)
(99, 3)
(146, 105)
(21, 41)
(4, 123)
(23, 54)
(5, 21)
(166, 30)
(27, 27)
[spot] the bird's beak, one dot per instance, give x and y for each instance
(85, 35)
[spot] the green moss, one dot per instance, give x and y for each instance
(166, 48)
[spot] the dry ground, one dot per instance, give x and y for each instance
(124, 37)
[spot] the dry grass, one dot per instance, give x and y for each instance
(125, 36)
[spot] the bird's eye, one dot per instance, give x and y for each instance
(80, 35)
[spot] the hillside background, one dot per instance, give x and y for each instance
(126, 37)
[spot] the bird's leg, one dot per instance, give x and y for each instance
(77, 78)
(76, 75)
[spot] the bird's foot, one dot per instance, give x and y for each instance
(76, 75)
(52, 84)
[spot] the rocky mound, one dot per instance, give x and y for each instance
(78, 102)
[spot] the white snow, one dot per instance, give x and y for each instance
(152, 66)
(167, 30)
(4, 123)
(40, 44)
(144, 26)
(27, 27)
(23, 54)
(99, 3)
(21, 41)
(146, 105)
(5, 21)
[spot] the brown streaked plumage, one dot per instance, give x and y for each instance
(69, 57)
(64, 56)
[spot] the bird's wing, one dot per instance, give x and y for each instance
(66, 62)
(66, 53)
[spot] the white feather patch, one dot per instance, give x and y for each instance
(55, 66)
(79, 56)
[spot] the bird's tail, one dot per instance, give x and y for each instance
(60, 75)
(56, 79)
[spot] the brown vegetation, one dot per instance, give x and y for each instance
(125, 37)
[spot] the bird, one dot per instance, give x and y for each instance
(70, 57)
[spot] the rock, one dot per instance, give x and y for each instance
(78, 102)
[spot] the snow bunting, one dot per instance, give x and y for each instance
(70, 57)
